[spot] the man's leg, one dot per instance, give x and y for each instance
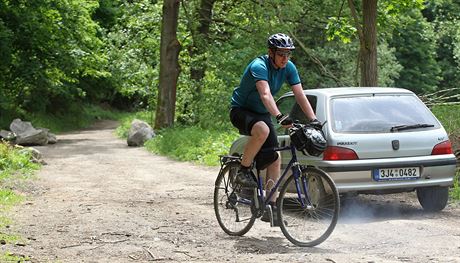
(272, 175)
(259, 134)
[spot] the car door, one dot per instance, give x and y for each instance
(288, 104)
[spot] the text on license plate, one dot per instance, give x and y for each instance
(396, 173)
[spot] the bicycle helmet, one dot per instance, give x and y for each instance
(307, 139)
(280, 40)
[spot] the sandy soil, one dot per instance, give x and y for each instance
(99, 200)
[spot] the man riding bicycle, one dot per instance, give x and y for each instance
(252, 104)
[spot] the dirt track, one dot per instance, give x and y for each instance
(99, 200)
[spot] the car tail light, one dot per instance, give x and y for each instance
(442, 148)
(335, 153)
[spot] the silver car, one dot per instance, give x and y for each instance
(380, 140)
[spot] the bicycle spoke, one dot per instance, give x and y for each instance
(232, 212)
(312, 223)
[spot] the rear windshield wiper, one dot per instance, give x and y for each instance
(409, 127)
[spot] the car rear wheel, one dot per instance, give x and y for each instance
(433, 199)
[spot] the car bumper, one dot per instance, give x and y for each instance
(356, 175)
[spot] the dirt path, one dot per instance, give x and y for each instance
(99, 200)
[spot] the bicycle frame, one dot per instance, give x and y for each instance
(296, 171)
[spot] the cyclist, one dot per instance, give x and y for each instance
(252, 104)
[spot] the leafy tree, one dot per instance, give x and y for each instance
(132, 46)
(51, 45)
(445, 16)
(415, 45)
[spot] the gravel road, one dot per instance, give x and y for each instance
(98, 200)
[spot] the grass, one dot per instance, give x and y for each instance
(449, 116)
(9, 257)
(455, 190)
(15, 165)
(192, 144)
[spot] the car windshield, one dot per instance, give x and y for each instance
(380, 113)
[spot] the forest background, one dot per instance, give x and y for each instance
(62, 61)
(67, 63)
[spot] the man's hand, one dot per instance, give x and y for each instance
(315, 123)
(284, 120)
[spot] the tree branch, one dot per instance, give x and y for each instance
(315, 60)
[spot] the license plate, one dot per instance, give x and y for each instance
(406, 173)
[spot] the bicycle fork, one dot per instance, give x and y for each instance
(301, 184)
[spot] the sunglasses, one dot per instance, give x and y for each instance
(285, 54)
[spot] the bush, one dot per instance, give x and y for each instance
(192, 144)
(15, 164)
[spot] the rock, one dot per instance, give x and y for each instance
(35, 155)
(26, 134)
(52, 139)
(139, 133)
(7, 135)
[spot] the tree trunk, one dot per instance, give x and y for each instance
(367, 34)
(169, 65)
(201, 39)
(369, 74)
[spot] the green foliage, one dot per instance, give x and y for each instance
(76, 117)
(341, 28)
(14, 160)
(15, 164)
(57, 55)
(132, 47)
(445, 16)
(10, 257)
(448, 115)
(192, 144)
(455, 190)
(50, 45)
(415, 45)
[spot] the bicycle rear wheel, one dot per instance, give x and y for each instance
(232, 207)
(308, 218)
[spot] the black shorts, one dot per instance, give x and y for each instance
(244, 120)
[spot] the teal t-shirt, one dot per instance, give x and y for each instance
(246, 94)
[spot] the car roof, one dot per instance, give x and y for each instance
(346, 91)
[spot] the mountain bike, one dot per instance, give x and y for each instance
(308, 202)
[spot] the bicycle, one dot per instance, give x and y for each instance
(308, 202)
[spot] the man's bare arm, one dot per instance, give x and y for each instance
(267, 99)
(303, 101)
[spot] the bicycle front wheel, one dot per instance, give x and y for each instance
(308, 208)
(232, 207)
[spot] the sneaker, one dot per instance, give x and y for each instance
(246, 193)
(245, 179)
(274, 215)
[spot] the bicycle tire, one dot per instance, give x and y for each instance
(308, 227)
(234, 217)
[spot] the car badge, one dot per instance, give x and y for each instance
(395, 144)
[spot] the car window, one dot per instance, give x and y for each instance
(288, 105)
(378, 113)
